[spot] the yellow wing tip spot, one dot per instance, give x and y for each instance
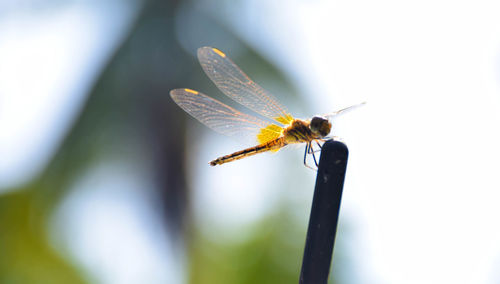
(191, 91)
(219, 52)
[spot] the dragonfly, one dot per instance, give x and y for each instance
(281, 130)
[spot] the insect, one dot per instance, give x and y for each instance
(282, 130)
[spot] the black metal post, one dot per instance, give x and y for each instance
(324, 213)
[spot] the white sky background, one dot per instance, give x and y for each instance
(422, 190)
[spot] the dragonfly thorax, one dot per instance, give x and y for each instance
(320, 126)
(300, 131)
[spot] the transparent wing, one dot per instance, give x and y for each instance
(218, 116)
(238, 86)
(343, 111)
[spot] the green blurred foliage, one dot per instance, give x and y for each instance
(26, 256)
(270, 254)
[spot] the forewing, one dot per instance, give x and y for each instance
(238, 86)
(218, 116)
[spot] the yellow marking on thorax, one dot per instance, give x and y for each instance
(219, 52)
(191, 91)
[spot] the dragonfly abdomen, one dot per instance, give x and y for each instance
(268, 146)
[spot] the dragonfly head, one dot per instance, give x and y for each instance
(320, 126)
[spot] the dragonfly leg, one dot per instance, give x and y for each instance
(312, 151)
(319, 145)
(314, 158)
(311, 148)
(309, 151)
(305, 154)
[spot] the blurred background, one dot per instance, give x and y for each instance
(103, 179)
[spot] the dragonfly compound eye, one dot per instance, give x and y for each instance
(320, 126)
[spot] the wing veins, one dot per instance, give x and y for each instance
(218, 116)
(234, 83)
